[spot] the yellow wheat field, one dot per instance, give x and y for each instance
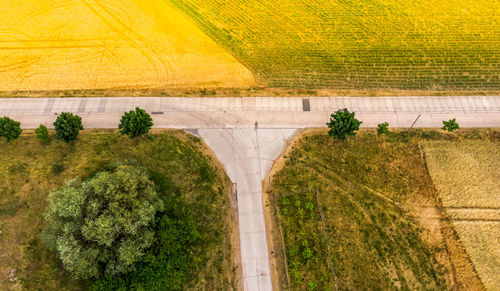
(467, 177)
(99, 44)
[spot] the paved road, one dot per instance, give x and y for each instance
(248, 134)
(261, 112)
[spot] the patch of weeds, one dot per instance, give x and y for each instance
(56, 169)
(431, 135)
(17, 168)
(11, 206)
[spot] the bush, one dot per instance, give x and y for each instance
(103, 226)
(57, 169)
(42, 133)
(382, 128)
(342, 124)
(135, 123)
(450, 125)
(9, 129)
(68, 126)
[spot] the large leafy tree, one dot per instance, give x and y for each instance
(135, 123)
(9, 129)
(103, 226)
(68, 126)
(343, 123)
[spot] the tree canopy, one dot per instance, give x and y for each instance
(9, 129)
(343, 123)
(103, 226)
(68, 126)
(135, 123)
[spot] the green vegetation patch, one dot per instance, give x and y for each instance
(191, 248)
(357, 186)
(354, 44)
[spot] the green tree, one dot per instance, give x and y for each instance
(343, 123)
(135, 123)
(450, 125)
(9, 129)
(173, 255)
(382, 128)
(42, 133)
(103, 226)
(68, 126)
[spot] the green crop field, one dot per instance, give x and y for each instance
(353, 44)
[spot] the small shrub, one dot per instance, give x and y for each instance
(9, 129)
(57, 169)
(68, 126)
(42, 133)
(135, 123)
(342, 123)
(382, 128)
(450, 125)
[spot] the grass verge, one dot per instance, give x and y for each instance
(364, 214)
(30, 170)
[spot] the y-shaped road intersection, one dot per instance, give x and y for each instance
(248, 134)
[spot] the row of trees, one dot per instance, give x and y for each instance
(136, 123)
(67, 126)
(344, 123)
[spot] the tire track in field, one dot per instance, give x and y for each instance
(116, 24)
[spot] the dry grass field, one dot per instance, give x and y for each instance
(103, 44)
(467, 176)
(30, 169)
(362, 213)
(354, 44)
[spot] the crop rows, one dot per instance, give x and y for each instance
(416, 44)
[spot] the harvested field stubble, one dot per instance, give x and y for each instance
(467, 176)
(91, 44)
(414, 44)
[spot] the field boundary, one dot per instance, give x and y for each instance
(449, 233)
(257, 91)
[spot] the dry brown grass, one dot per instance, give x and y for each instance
(467, 173)
(482, 242)
(259, 91)
(29, 170)
(467, 176)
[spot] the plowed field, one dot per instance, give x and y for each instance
(99, 44)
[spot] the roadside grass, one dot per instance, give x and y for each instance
(369, 205)
(390, 44)
(362, 186)
(467, 176)
(29, 170)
